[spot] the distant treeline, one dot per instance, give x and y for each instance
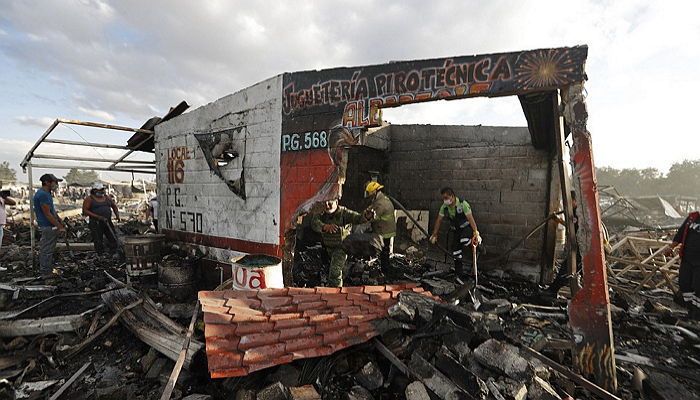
(682, 179)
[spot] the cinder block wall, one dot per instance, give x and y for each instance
(197, 206)
(496, 169)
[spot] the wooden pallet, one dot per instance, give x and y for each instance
(636, 262)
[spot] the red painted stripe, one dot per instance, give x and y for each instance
(219, 242)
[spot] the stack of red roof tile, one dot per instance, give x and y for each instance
(249, 330)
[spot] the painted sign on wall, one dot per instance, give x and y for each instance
(176, 163)
(342, 101)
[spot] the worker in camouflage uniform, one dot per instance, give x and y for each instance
(334, 225)
(382, 218)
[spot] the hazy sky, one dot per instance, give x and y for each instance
(123, 62)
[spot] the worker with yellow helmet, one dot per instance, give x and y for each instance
(382, 219)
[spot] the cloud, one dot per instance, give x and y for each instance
(100, 114)
(40, 122)
(122, 65)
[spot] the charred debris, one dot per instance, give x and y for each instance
(85, 333)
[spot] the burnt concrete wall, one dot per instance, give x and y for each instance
(496, 169)
(362, 160)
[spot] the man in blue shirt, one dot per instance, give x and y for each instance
(50, 225)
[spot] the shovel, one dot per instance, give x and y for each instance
(460, 291)
(475, 273)
(120, 245)
(70, 252)
(65, 236)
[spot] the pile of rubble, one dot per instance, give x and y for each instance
(84, 334)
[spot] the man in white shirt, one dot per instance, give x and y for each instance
(153, 210)
(5, 199)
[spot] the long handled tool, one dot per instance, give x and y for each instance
(65, 237)
(472, 294)
(120, 245)
(415, 222)
(475, 273)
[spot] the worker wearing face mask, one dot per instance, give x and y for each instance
(465, 231)
(334, 225)
(49, 224)
(98, 207)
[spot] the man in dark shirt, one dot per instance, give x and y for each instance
(688, 237)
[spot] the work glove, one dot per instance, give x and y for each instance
(433, 239)
(331, 228)
(476, 238)
(369, 214)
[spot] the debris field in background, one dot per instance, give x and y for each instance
(251, 330)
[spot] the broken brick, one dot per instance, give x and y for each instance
(261, 354)
(328, 290)
(215, 309)
(216, 345)
(317, 319)
(340, 334)
(311, 305)
(307, 392)
(332, 325)
(304, 343)
(253, 327)
(219, 361)
(292, 333)
(244, 310)
(358, 296)
(237, 294)
(283, 359)
(272, 292)
(273, 392)
(379, 296)
(352, 289)
(290, 323)
(280, 317)
(229, 372)
(306, 298)
(292, 291)
(292, 308)
(220, 331)
(269, 303)
(206, 295)
(315, 352)
(357, 319)
(214, 302)
(338, 302)
(347, 311)
(373, 289)
(248, 318)
(311, 313)
(258, 339)
(214, 318)
(244, 302)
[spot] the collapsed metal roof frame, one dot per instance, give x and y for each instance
(119, 165)
(133, 166)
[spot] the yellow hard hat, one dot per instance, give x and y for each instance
(373, 187)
